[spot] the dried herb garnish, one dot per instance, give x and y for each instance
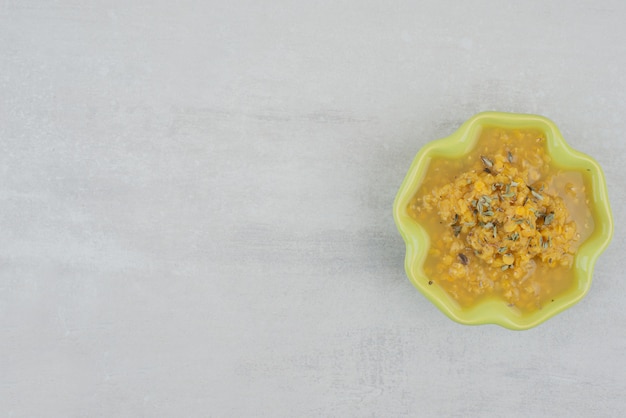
(514, 236)
(548, 219)
(509, 156)
(488, 163)
(463, 258)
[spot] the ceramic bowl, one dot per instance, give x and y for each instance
(491, 311)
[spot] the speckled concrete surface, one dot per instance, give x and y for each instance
(196, 206)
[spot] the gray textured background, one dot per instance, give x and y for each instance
(196, 206)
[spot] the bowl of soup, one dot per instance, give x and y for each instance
(503, 221)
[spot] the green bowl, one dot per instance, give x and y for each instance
(417, 241)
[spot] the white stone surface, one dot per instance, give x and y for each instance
(196, 206)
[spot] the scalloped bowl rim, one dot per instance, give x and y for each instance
(493, 311)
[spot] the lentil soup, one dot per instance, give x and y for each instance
(504, 221)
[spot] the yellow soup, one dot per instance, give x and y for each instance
(504, 221)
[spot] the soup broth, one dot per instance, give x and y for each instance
(504, 221)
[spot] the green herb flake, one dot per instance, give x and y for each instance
(537, 195)
(514, 236)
